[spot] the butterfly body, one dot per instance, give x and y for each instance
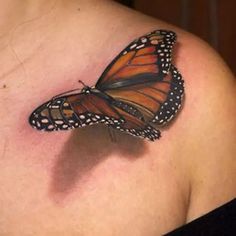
(139, 88)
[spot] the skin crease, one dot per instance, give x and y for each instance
(80, 182)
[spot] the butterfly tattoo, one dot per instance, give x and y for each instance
(139, 90)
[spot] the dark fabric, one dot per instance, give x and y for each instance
(219, 222)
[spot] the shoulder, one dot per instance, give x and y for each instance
(209, 126)
(203, 136)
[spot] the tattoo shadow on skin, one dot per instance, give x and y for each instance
(84, 150)
(89, 146)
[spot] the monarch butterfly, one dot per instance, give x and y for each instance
(140, 88)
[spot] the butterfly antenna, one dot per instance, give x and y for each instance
(70, 91)
(66, 93)
(80, 81)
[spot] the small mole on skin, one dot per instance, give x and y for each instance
(78, 9)
(4, 86)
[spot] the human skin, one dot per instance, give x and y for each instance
(80, 182)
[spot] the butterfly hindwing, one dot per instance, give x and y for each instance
(134, 122)
(158, 101)
(147, 132)
(172, 103)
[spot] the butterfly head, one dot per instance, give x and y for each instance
(86, 89)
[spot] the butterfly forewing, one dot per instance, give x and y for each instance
(148, 55)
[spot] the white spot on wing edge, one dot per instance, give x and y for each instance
(133, 46)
